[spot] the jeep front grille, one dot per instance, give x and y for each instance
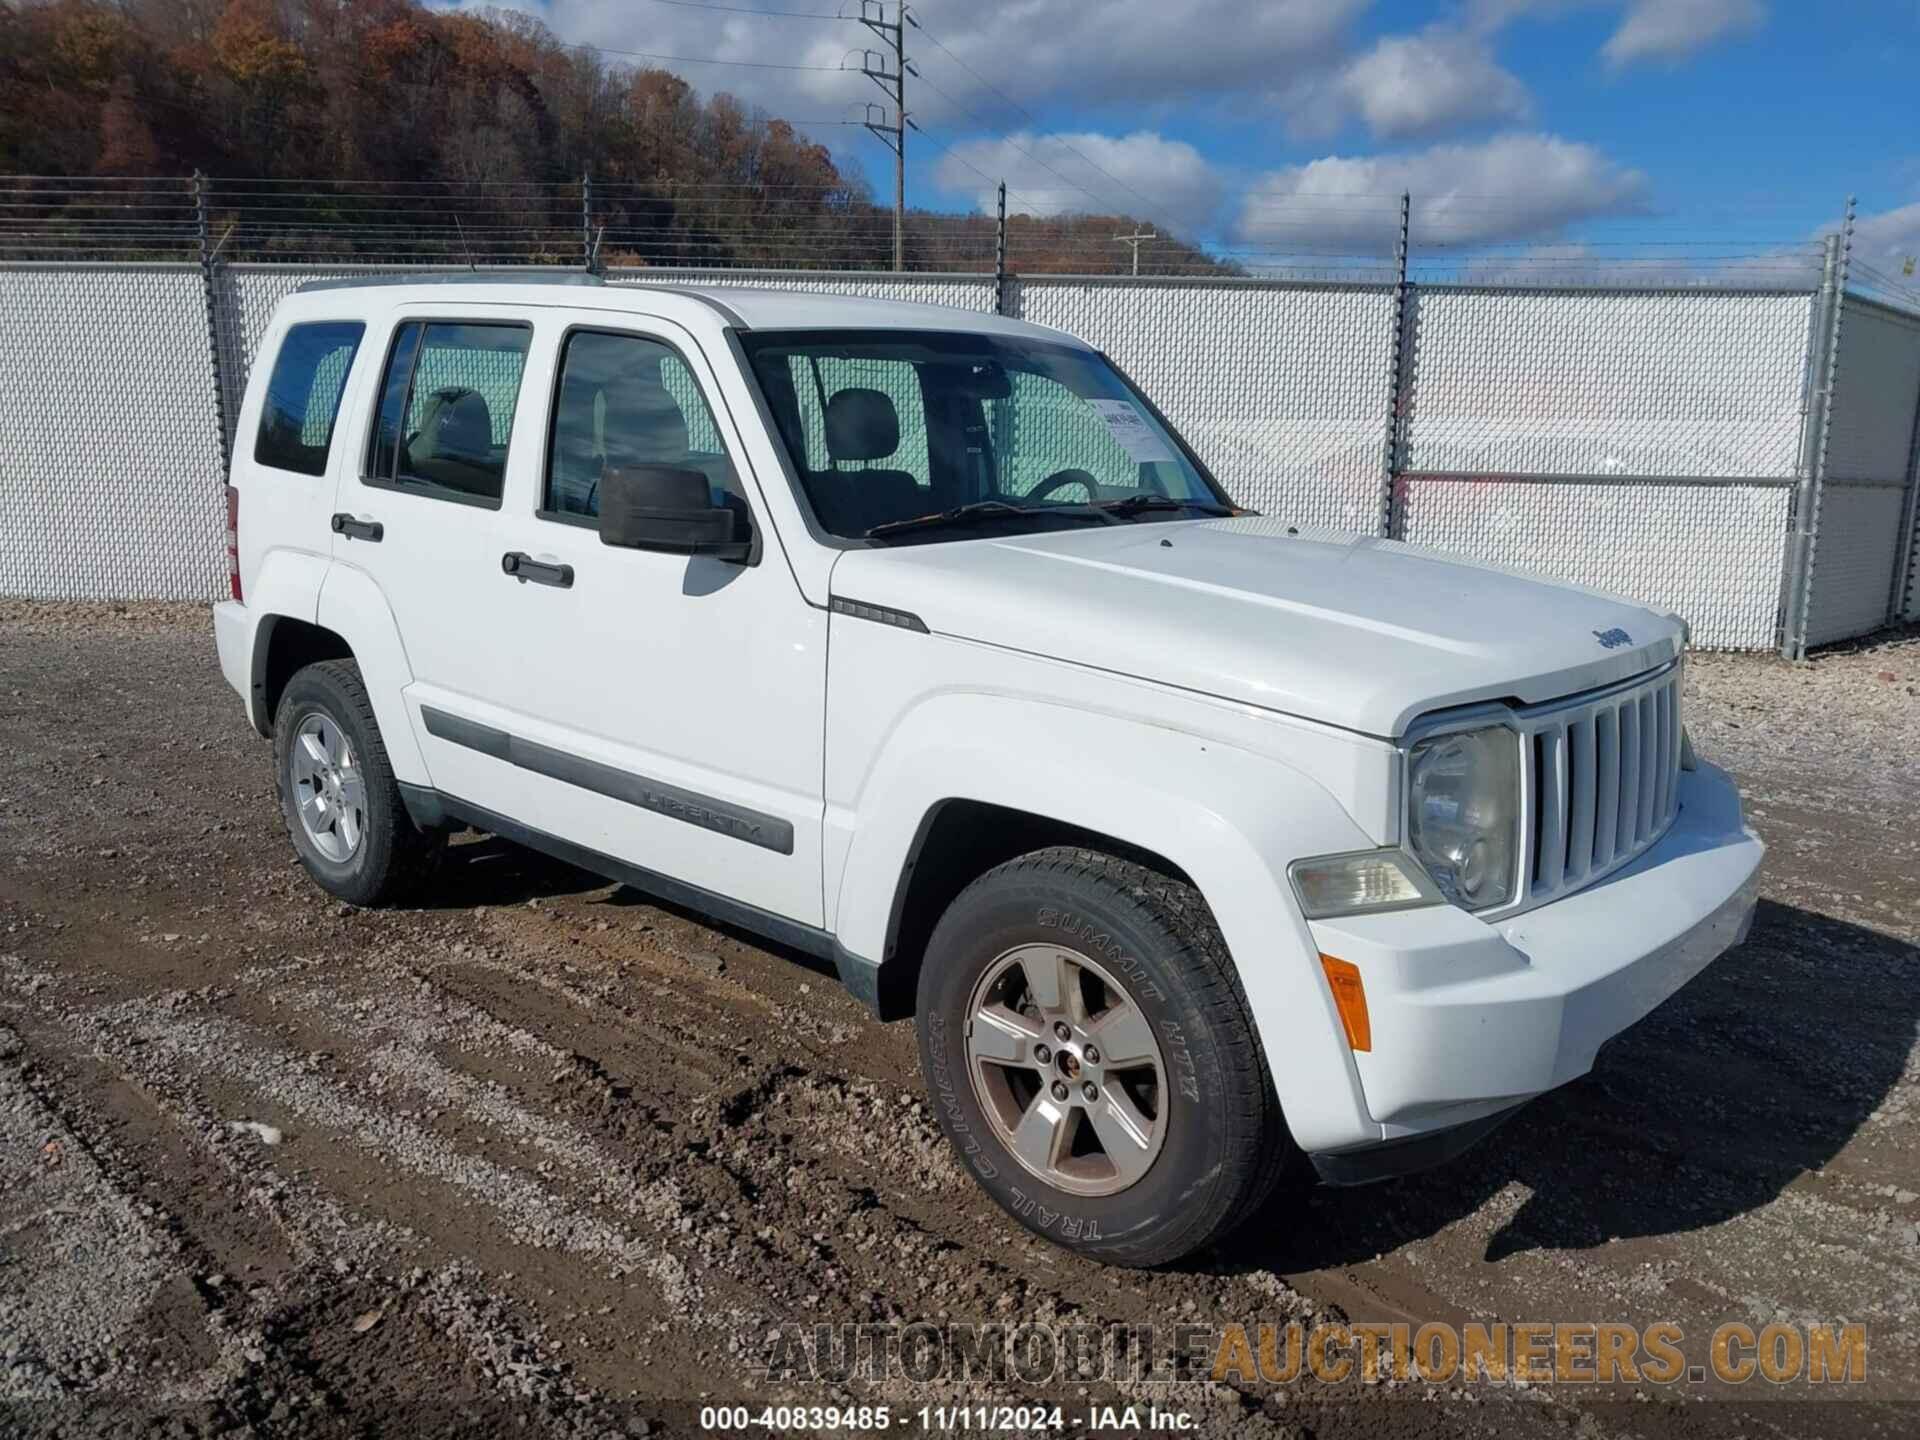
(1603, 783)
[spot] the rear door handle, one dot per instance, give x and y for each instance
(347, 525)
(522, 566)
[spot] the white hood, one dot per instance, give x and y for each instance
(1362, 633)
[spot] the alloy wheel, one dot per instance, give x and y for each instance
(328, 789)
(1067, 1069)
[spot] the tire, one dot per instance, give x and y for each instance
(1199, 1140)
(371, 854)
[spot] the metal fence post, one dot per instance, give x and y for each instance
(1000, 255)
(1812, 402)
(210, 291)
(1904, 550)
(586, 219)
(1816, 428)
(1391, 458)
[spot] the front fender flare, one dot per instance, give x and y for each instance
(1231, 819)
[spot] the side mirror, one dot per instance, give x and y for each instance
(661, 507)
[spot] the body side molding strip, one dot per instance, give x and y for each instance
(430, 809)
(737, 822)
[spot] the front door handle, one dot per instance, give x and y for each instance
(347, 525)
(523, 567)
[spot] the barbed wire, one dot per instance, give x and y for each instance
(732, 224)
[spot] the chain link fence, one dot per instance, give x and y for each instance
(1738, 446)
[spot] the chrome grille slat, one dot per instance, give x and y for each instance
(1603, 783)
(1606, 825)
(1630, 753)
(1671, 699)
(1663, 707)
(1649, 766)
(1550, 847)
(1580, 807)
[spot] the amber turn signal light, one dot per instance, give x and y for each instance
(1350, 998)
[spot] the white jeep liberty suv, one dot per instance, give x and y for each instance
(917, 639)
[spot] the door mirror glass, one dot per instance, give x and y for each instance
(666, 508)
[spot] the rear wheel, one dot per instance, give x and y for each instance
(337, 792)
(1092, 1058)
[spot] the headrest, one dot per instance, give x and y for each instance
(460, 426)
(861, 425)
(643, 423)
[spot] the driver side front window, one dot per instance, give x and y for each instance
(625, 400)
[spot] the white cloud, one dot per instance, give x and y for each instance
(1145, 174)
(1120, 55)
(1436, 79)
(1135, 54)
(1671, 30)
(1512, 187)
(1888, 239)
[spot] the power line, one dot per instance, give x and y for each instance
(1005, 140)
(947, 149)
(700, 60)
(750, 10)
(1031, 118)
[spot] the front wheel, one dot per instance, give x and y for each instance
(1092, 1058)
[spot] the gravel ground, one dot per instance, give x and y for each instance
(542, 1157)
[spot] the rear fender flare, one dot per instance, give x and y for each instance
(352, 606)
(287, 584)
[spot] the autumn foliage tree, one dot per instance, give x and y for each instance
(363, 94)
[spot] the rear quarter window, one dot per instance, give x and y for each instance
(303, 396)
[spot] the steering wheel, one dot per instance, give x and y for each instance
(1060, 479)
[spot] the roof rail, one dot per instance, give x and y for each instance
(493, 277)
(452, 277)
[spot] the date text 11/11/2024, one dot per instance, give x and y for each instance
(947, 1419)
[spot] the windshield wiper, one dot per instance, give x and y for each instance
(982, 510)
(1135, 504)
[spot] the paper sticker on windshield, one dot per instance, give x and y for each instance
(1130, 428)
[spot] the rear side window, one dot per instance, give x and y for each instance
(626, 400)
(446, 409)
(303, 396)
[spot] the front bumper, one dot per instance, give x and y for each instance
(1407, 1155)
(1470, 1019)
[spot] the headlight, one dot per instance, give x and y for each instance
(1463, 813)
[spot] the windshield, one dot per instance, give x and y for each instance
(908, 436)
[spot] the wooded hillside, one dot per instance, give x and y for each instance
(357, 93)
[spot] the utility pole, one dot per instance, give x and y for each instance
(873, 15)
(1134, 240)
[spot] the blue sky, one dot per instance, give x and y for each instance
(1522, 127)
